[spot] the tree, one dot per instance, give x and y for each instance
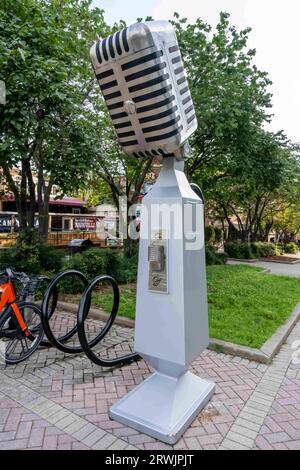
(115, 174)
(230, 94)
(253, 188)
(241, 167)
(44, 126)
(284, 216)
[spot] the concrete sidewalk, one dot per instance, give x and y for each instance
(60, 401)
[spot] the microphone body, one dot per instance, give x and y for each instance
(144, 84)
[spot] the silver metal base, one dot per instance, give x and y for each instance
(163, 406)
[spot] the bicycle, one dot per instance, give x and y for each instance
(21, 330)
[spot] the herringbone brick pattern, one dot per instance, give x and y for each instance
(21, 429)
(92, 400)
(83, 394)
(281, 428)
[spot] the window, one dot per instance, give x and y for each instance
(67, 224)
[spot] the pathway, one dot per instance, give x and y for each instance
(274, 268)
(60, 401)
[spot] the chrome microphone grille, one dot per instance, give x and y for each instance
(144, 84)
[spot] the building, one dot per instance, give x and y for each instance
(69, 217)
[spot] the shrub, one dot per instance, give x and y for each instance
(222, 257)
(265, 249)
(50, 258)
(243, 250)
(32, 259)
(291, 248)
(240, 250)
(212, 257)
(127, 269)
(21, 259)
(72, 284)
(218, 234)
(96, 261)
(279, 247)
(209, 234)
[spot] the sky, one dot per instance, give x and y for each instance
(275, 35)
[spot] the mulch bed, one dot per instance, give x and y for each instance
(280, 258)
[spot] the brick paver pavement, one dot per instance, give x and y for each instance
(61, 401)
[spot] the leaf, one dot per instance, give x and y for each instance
(21, 52)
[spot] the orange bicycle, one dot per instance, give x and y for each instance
(21, 330)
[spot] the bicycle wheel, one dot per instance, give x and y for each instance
(15, 346)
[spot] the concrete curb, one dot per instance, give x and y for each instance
(254, 260)
(266, 260)
(97, 313)
(264, 355)
(233, 349)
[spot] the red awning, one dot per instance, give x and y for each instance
(68, 201)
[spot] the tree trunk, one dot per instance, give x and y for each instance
(32, 199)
(43, 208)
(21, 200)
(130, 244)
(43, 222)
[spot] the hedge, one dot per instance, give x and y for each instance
(213, 257)
(32, 259)
(96, 261)
(243, 250)
(291, 248)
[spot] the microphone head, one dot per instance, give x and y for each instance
(144, 84)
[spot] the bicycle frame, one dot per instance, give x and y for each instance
(8, 298)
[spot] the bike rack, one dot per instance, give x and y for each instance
(83, 310)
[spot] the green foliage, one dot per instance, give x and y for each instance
(230, 93)
(213, 235)
(239, 250)
(127, 301)
(245, 305)
(279, 248)
(241, 167)
(210, 234)
(222, 257)
(213, 257)
(243, 250)
(127, 269)
(21, 259)
(48, 124)
(96, 261)
(264, 249)
(32, 259)
(291, 248)
(51, 259)
(218, 235)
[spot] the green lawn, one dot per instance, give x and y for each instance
(246, 305)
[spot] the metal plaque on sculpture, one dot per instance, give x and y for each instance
(158, 266)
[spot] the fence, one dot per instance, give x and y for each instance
(63, 228)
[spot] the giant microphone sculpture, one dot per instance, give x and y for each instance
(144, 84)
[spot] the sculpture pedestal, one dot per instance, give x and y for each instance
(171, 326)
(164, 406)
